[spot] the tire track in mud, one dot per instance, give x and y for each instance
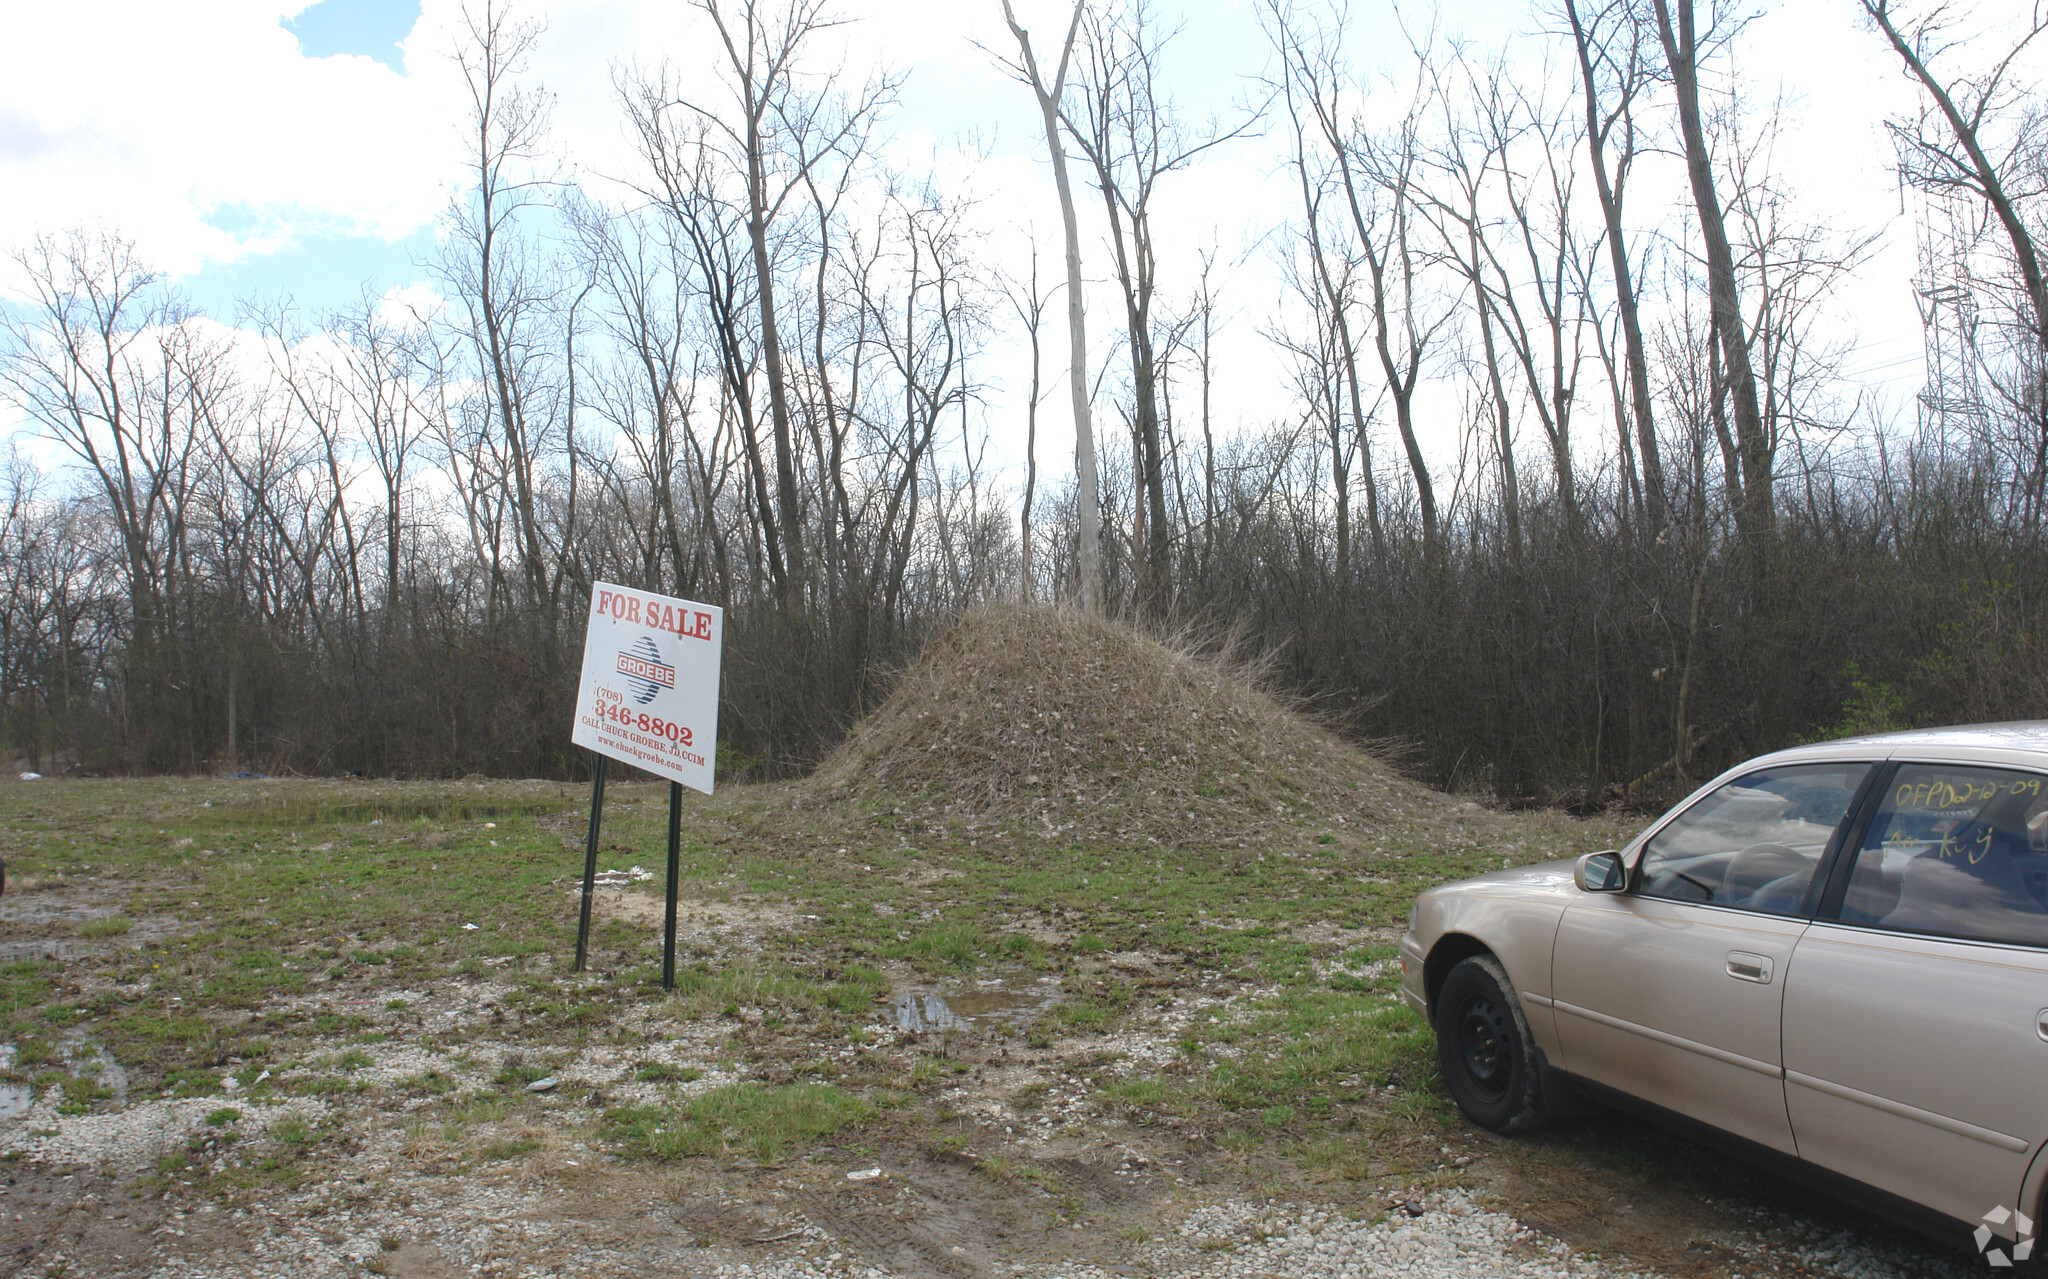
(941, 1219)
(928, 1241)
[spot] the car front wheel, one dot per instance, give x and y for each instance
(1483, 1044)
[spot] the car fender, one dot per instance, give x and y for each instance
(1512, 915)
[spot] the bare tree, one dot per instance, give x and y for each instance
(780, 133)
(1029, 304)
(689, 187)
(1207, 327)
(1789, 266)
(1375, 175)
(1555, 263)
(126, 380)
(1954, 154)
(1332, 296)
(387, 363)
(728, 174)
(1132, 136)
(500, 280)
(1465, 155)
(924, 326)
(1088, 537)
(1613, 73)
(1683, 46)
(644, 273)
(1965, 153)
(1381, 218)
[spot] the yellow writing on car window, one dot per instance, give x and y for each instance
(1943, 794)
(1974, 848)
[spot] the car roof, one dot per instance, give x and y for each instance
(2024, 734)
(2017, 737)
(2018, 742)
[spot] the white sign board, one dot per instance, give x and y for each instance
(649, 693)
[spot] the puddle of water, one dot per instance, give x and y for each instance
(1011, 998)
(87, 1058)
(15, 1099)
(80, 1056)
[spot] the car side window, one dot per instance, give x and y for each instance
(1956, 851)
(1754, 843)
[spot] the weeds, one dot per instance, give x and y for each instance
(764, 1123)
(949, 946)
(663, 1073)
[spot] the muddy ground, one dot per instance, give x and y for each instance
(294, 1044)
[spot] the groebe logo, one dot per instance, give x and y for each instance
(1994, 1248)
(646, 674)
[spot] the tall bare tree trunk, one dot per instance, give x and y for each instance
(757, 88)
(1611, 187)
(1754, 514)
(1089, 542)
(1030, 310)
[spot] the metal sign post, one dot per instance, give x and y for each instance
(675, 859)
(589, 865)
(648, 697)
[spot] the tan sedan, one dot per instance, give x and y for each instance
(1835, 957)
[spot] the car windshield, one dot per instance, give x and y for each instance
(1794, 807)
(1754, 842)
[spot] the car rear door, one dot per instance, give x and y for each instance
(1672, 991)
(1916, 1009)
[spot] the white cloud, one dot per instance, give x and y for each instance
(410, 307)
(202, 132)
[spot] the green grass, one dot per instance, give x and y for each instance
(1138, 1092)
(948, 946)
(765, 1124)
(658, 1072)
(25, 991)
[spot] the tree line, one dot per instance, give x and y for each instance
(1669, 527)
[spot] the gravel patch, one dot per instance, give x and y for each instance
(130, 1141)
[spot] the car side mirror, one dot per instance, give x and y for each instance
(1600, 873)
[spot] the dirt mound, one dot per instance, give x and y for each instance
(1073, 725)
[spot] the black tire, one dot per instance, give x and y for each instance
(1483, 1045)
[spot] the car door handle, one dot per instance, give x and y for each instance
(2041, 1023)
(1744, 966)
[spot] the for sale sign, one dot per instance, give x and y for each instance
(649, 695)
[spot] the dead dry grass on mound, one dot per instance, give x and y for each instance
(1069, 725)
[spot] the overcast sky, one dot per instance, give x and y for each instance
(264, 147)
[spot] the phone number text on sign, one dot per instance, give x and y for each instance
(649, 691)
(610, 706)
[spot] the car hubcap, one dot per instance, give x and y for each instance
(1483, 1045)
